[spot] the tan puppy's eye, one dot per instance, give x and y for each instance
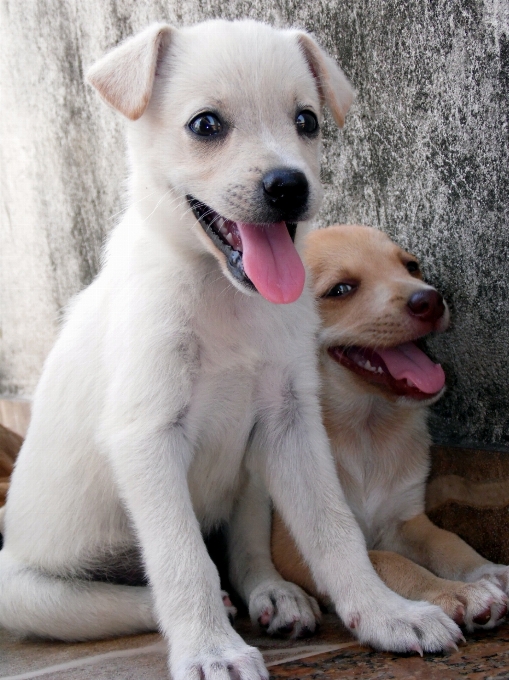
(412, 267)
(340, 289)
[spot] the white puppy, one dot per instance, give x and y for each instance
(178, 391)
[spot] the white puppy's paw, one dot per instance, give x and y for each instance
(207, 661)
(231, 611)
(282, 608)
(495, 573)
(403, 626)
(475, 605)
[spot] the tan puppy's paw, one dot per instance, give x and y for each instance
(495, 573)
(473, 605)
(282, 608)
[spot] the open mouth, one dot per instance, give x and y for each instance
(405, 370)
(261, 257)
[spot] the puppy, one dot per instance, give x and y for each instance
(10, 444)
(183, 389)
(376, 385)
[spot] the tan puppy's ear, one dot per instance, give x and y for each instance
(333, 86)
(124, 77)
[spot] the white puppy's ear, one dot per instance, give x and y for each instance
(124, 77)
(333, 86)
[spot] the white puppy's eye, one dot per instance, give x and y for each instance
(412, 267)
(306, 123)
(340, 289)
(206, 124)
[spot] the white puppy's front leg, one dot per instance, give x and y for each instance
(152, 475)
(277, 605)
(303, 483)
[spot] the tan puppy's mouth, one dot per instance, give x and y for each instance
(405, 369)
(261, 257)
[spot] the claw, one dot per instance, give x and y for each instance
(417, 648)
(451, 648)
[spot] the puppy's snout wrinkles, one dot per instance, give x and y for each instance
(427, 305)
(286, 189)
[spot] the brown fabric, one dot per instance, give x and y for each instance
(468, 494)
(10, 444)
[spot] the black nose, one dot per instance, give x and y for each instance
(286, 189)
(427, 305)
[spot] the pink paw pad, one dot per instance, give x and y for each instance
(226, 601)
(483, 618)
(354, 621)
(265, 617)
(459, 615)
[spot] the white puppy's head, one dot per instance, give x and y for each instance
(227, 118)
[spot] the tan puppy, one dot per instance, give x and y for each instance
(376, 386)
(10, 444)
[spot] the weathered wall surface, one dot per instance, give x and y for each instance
(424, 156)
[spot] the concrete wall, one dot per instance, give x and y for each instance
(424, 156)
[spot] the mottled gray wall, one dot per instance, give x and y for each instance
(424, 156)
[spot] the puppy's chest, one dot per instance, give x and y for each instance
(220, 420)
(223, 410)
(382, 484)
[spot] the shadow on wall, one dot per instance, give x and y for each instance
(424, 156)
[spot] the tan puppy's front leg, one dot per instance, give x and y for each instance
(291, 447)
(468, 604)
(448, 556)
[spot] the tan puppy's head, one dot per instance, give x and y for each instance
(374, 305)
(226, 118)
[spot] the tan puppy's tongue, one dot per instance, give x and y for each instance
(271, 261)
(408, 361)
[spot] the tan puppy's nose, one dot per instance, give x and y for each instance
(426, 305)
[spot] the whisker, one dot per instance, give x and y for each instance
(157, 205)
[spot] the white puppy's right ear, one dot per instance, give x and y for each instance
(125, 76)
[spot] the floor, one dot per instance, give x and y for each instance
(468, 491)
(331, 654)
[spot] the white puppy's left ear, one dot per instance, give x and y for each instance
(125, 76)
(334, 89)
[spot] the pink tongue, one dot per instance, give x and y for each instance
(408, 362)
(271, 261)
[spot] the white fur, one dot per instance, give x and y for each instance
(170, 393)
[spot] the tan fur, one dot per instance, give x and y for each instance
(10, 444)
(380, 440)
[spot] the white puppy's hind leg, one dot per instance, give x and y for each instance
(35, 603)
(277, 605)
